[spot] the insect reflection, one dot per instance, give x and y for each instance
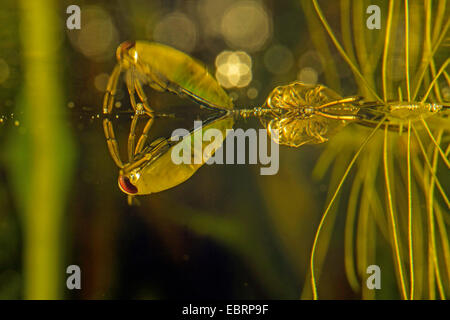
(294, 115)
(299, 113)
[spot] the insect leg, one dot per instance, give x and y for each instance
(144, 136)
(111, 89)
(132, 135)
(349, 117)
(314, 132)
(108, 103)
(341, 101)
(142, 95)
(148, 125)
(112, 142)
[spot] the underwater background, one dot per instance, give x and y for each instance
(227, 232)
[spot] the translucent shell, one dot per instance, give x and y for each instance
(150, 167)
(294, 120)
(167, 69)
(159, 172)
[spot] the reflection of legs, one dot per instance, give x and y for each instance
(132, 135)
(328, 115)
(112, 142)
(108, 103)
(348, 117)
(149, 112)
(144, 136)
(142, 108)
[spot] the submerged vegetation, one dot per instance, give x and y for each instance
(398, 196)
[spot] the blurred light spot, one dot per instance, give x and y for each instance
(4, 71)
(252, 93)
(278, 59)
(210, 15)
(176, 30)
(308, 75)
(234, 96)
(246, 25)
(311, 59)
(118, 104)
(16, 123)
(101, 81)
(97, 37)
(71, 105)
(234, 69)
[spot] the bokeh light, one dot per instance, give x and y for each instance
(177, 30)
(101, 81)
(209, 12)
(278, 59)
(312, 59)
(252, 93)
(97, 37)
(234, 69)
(246, 25)
(310, 67)
(308, 75)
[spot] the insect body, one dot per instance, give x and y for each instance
(306, 114)
(298, 113)
(293, 114)
(150, 168)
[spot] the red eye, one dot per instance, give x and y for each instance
(127, 45)
(123, 48)
(126, 185)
